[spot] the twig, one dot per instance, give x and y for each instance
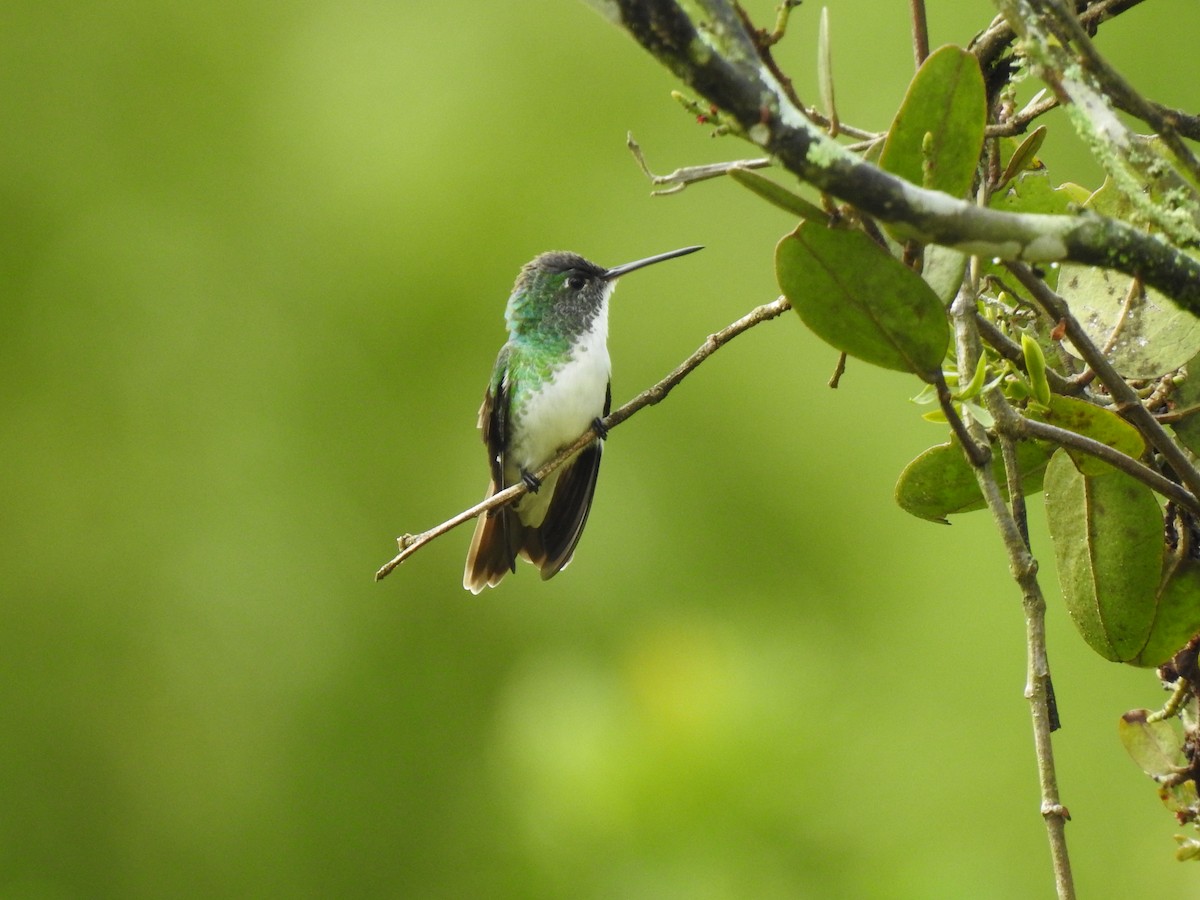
(1187, 124)
(1032, 428)
(1177, 415)
(920, 30)
(838, 371)
(1011, 350)
(867, 137)
(1016, 501)
(775, 35)
(978, 451)
(1018, 123)
(1174, 703)
(681, 178)
(1012, 481)
(410, 543)
(1024, 568)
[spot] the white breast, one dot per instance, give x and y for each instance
(565, 405)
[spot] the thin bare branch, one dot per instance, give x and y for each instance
(1032, 428)
(920, 30)
(977, 451)
(1021, 121)
(782, 12)
(681, 178)
(1024, 568)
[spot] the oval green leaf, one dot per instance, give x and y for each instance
(825, 67)
(1021, 156)
(943, 271)
(1154, 746)
(1177, 620)
(940, 482)
(1092, 421)
(1033, 192)
(854, 295)
(946, 100)
(1107, 533)
(1035, 368)
(1153, 336)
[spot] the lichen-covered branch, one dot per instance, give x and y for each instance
(706, 44)
(994, 41)
(1087, 87)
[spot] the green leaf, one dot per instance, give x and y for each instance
(1167, 176)
(1154, 336)
(979, 413)
(1024, 156)
(1161, 190)
(940, 482)
(942, 267)
(1187, 396)
(1189, 848)
(1107, 534)
(1092, 421)
(1033, 192)
(825, 67)
(946, 101)
(1153, 745)
(1180, 797)
(777, 195)
(975, 385)
(1109, 200)
(943, 271)
(854, 295)
(1035, 367)
(1177, 619)
(936, 415)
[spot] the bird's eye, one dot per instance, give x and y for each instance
(576, 282)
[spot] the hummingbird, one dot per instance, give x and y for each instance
(550, 383)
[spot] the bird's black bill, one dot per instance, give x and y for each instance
(618, 271)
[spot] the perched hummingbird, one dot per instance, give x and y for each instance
(550, 383)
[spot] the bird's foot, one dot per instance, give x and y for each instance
(531, 481)
(600, 428)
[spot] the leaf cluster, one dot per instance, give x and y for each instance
(935, 250)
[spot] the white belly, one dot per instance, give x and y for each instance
(556, 415)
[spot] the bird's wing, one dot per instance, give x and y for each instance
(555, 540)
(493, 419)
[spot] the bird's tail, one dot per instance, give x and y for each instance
(499, 537)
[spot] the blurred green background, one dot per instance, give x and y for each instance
(254, 264)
